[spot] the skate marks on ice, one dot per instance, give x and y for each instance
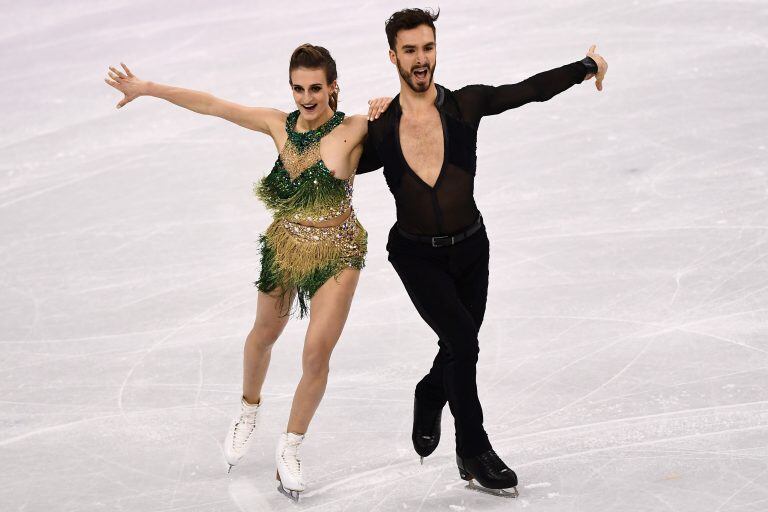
(472, 485)
(673, 447)
(247, 497)
(617, 432)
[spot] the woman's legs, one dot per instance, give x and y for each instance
(271, 317)
(328, 314)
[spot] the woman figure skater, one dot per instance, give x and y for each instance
(314, 248)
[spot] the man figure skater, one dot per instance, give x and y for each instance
(426, 142)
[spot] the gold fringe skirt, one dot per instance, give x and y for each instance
(302, 258)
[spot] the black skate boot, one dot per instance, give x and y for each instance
(426, 429)
(490, 471)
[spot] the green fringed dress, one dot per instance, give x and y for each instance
(300, 189)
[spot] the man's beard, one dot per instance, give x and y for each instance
(408, 77)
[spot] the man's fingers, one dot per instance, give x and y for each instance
(377, 106)
(592, 48)
(127, 71)
(114, 77)
(599, 84)
(113, 84)
(373, 109)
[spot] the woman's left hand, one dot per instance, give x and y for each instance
(377, 105)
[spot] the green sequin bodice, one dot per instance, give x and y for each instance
(300, 187)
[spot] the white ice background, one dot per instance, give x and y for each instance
(624, 353)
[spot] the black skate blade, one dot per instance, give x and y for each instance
(291, 495)
(502, 493)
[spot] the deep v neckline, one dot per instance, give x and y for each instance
(404, 161)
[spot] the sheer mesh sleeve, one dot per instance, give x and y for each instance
(485, 100)
(370, 159)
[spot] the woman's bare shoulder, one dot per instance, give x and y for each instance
(357, 123)
(277, 117)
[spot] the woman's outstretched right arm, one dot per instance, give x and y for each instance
(263, 120)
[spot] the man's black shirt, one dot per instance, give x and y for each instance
(449, 207)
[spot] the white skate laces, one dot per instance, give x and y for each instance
(289, 465)
(240, 433)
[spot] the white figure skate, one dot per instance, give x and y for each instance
(240, 433)
(288, 462)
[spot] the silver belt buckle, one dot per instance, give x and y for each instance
(441, 244)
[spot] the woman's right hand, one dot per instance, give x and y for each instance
(127, 83)
(264, 120)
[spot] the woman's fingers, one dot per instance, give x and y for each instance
(112, 83)
(592, 48)
(117, 72)
(117, 77)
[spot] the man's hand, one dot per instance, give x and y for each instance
(127, 83)
(602, 67)
(376, 106)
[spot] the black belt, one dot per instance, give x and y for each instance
(444, 241)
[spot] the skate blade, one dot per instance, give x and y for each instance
(229, 468)
(502, 493)
(291, 495)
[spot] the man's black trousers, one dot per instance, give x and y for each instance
(449, 287)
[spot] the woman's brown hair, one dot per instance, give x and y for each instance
(316, 57)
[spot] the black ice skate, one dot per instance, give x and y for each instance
(426, 429)
(490, 471)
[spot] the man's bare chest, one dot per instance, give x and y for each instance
(421, 141)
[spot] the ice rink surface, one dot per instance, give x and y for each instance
(624, 353)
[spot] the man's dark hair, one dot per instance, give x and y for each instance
(408, 19)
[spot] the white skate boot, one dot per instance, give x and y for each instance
(240, 433)
(288, 463)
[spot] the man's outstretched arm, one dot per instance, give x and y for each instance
(543, 86)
